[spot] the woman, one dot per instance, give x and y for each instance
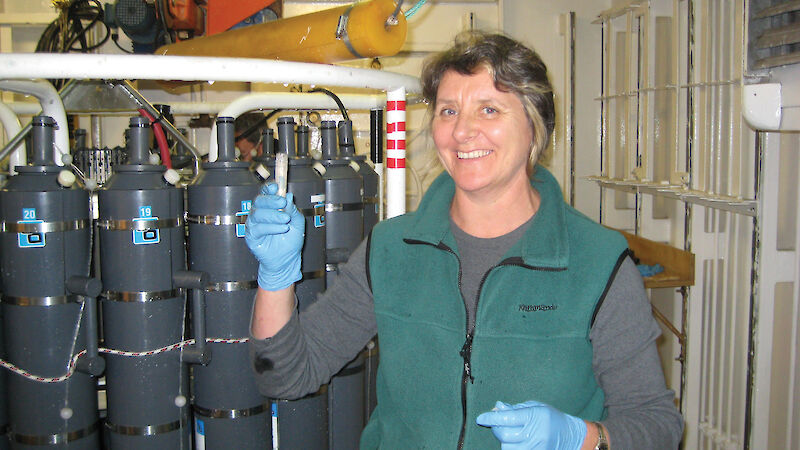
(494, 297)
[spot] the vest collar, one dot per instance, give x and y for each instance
(544, 244)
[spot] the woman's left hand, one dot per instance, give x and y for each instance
(534, 425)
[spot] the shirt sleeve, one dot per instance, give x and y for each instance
(315, 344)
(641, 410)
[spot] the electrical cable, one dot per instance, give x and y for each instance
(115, 39)
(68, 30)
(336, 99)
(161, 13)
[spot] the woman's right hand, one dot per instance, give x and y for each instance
(275, 231)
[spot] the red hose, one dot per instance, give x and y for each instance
(161, 138)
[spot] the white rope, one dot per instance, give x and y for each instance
(74, 361)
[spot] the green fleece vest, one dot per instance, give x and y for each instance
(531, 338)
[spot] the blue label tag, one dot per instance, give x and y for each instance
(240, 229)
(319, 215)
(30, 240)
(149, 236)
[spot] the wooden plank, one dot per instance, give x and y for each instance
(678, 264)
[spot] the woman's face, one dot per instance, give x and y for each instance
(483, 135)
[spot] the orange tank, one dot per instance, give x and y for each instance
(337, 34)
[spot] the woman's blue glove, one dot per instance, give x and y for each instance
(275, 233)
(534, 425)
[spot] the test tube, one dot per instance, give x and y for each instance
(281, 172)
(286, 147)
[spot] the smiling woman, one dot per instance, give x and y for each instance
(484, 140)
(494, 295)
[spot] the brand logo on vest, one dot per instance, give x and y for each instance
(535, 308)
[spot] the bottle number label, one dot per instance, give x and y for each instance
(30, 240)
(147, 236)
(240, 229)
(319, 210)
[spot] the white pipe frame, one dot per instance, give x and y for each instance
(12, 127)
(51, 106)
(209, 69)
(194, 68)
(294, 101)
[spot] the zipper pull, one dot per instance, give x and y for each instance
(466, 353)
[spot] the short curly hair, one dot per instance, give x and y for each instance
(513, 66)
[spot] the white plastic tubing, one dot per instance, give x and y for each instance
(194, 68)
(12, 127)
(51, 106)
(282, 100)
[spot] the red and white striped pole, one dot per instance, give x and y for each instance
(395, 152)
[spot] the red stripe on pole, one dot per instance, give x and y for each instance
(396, 126)
(390, 144)
(396, 105)
(396, 163)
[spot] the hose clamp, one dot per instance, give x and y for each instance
(147, 430)
(141, 296)
(216, 220)
(317, 210)
(313, 275)
(231, 286)
(53, 439)
(229, 413)
(371, 200)
(139, 225)
(341, 32)
(337, 207)
(43, 227)
(39, 301)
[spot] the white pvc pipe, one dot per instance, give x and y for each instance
(213, 108)
(195, 68)
(395, 152)
(288, 100)
(12, 127)
(51, 106)
(176, 108)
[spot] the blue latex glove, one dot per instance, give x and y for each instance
(534, 425)
(649, 271)
(275, 230)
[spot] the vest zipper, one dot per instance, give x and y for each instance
(466, 349)
(466, 353)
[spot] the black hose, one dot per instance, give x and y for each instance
(336, 99)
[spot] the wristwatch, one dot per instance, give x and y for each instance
(602, 441)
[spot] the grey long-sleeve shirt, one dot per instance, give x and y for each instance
(310, 348)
